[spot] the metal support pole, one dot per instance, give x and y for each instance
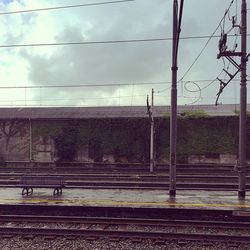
(30, 144)
(152, 163)
(243, 104)
(173, 116)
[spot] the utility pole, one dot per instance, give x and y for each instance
(243, 104)
(151, 118)
(30, 141)
(242, 67)
(173, 116)
(152, 162)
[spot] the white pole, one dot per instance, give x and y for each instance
(152, 163)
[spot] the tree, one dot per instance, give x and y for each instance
(11, 128)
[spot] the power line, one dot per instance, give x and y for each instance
(11, 104)
(200, 89)
(64, 7)
(83, 85)
(72, 99)
(109, 84)
(209, 39)
(99, 98)
(82, 43)
(106, 42)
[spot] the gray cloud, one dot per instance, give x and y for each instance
(125, 62)
(108, 63)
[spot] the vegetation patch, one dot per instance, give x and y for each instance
(197, 134)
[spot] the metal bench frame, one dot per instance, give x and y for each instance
(37, 181)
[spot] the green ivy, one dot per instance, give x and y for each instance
(199, 113)
(66, 141)
(130, 137)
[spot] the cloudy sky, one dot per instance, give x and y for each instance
(129, 70)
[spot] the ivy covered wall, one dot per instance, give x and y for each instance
(129, 138)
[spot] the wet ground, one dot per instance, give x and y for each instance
(220, 200)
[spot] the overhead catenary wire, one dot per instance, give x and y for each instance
(82, 85)
(225, 69)
(224, 83)
(206, 44)
(101, 98)
(194, 91)
(114, 97)
(105, 42)
(103, 84)
(73, 99)
(28, 102)
(64, 7)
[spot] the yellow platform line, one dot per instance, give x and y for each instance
(122, 203)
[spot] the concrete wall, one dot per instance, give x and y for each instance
(15, 146)
(14, 141)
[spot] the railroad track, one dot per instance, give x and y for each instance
(154, 229)
(127, 169)
(134, 176)
(97, 181)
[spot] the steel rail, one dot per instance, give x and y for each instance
(123, 234)
(125, 221)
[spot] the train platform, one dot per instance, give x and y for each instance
(196, 199)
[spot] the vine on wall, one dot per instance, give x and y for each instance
(66, 141)
(129, 138)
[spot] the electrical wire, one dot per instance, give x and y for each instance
(83, 43)
(27, 103)
(193, 91)
(105, 42)
(190, 97)
(163, 90)
(41, 102)
(111, 84)
(224, 68)
(84, 85)
(205, 87)
(73, 99)
(224, 83)
(206, 44)
(64, 7)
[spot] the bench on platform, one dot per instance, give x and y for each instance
(28, 182)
